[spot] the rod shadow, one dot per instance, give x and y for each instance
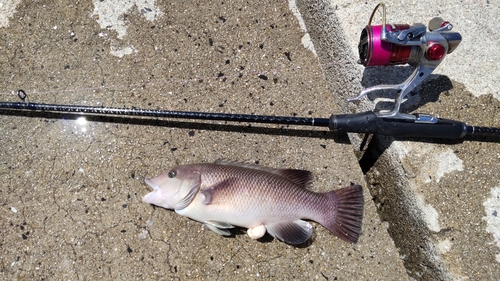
(278, 130)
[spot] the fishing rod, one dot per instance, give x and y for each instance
(380, 45)
(419, 125)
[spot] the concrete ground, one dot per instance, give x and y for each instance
(71, 187)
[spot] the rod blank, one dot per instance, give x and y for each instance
(95, 110)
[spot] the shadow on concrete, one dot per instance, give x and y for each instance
(373, 146)
(424, 93)
(435, 85)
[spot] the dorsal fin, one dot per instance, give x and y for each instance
(300, 177)
(243, 165)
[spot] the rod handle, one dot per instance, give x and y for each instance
(368, 122)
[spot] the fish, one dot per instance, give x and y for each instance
(225, 194)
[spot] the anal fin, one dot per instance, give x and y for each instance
(294, 232)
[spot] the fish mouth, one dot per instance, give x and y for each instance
(153, 196)
(152, 184)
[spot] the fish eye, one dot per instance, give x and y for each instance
(172, 174)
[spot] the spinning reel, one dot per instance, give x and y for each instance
(397, 44)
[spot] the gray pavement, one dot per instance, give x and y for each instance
(71, 188)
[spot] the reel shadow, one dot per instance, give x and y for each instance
(424, 93)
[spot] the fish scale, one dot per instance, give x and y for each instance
(259, 190)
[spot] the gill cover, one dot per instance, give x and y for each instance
(174, 189)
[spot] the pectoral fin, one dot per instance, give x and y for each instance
(220, 228)
(219, 193)
(295, 232)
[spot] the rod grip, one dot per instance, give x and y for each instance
(368, 122)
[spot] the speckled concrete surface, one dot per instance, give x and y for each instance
(71, 188)
(440, 200)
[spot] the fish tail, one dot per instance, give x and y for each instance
(346, 219)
